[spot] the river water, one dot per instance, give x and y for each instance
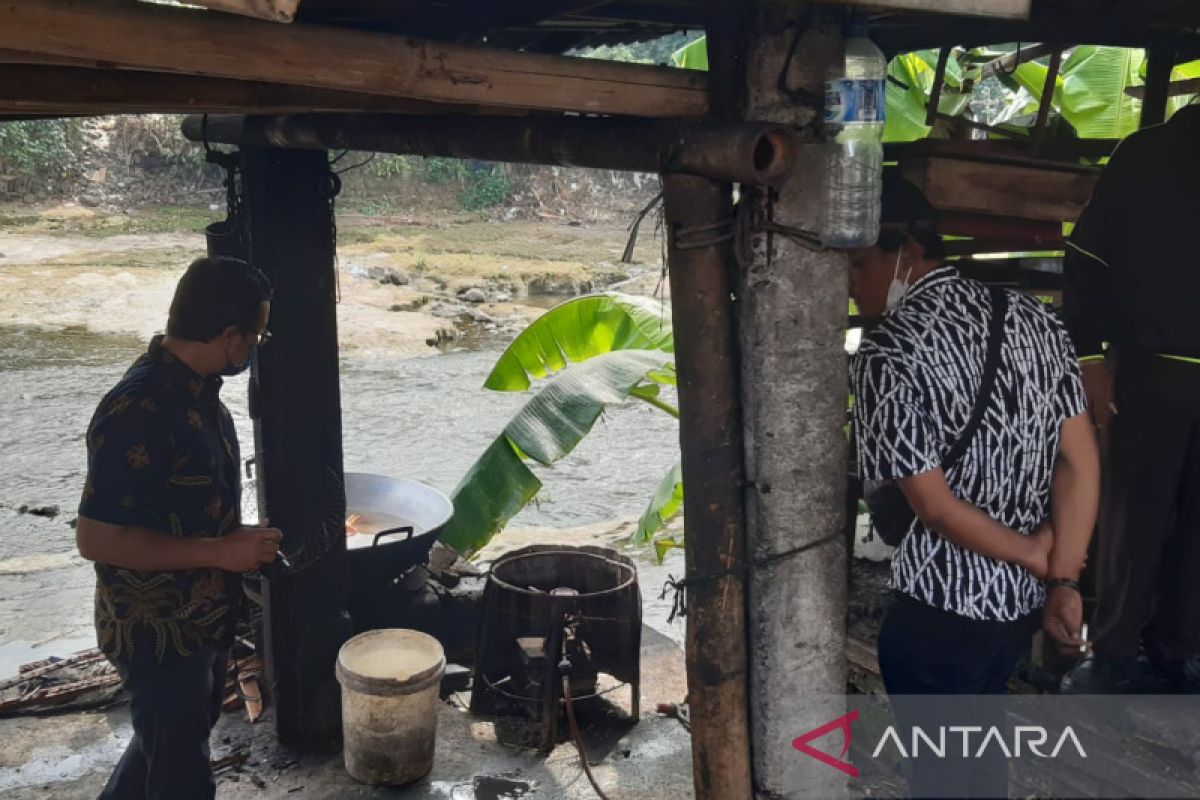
(425, 418)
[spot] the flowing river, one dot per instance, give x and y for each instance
(425, 418)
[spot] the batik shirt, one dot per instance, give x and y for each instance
(916, 378)
(163, 454)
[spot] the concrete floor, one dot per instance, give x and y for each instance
(68, 757)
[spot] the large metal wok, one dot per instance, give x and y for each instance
(397, 520)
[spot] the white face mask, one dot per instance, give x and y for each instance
(898, 287)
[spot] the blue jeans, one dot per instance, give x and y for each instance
(174, 705)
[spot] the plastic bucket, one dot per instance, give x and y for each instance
(390, 680)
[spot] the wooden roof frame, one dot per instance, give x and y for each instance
(154, 58)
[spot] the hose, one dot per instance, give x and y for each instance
(587, 769)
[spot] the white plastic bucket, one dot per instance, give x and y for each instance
(390, 681)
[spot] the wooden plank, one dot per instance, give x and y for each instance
(270, 10)
(1050, 194)
(201, 43)
(1005, 9)
(37, 89)
(1174, 89)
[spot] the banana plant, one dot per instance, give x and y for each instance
(587, 353)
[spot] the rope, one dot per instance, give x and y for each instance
(692, 238)
(680, 585)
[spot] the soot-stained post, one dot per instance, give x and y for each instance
(296, 404)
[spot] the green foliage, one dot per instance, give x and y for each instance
(666, 503)
(483, 185)
(445, 170)
(600, 350)
(693, 55)
(484, 188)
(577, 330)
(46, 149)
(387, 165)
(546, 429)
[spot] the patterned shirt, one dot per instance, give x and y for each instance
(163, 454)
(916, 378)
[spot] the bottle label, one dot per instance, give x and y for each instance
(848, 102)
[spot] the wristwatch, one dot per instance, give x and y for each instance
(1055, 583)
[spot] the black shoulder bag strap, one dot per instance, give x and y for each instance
(990, 367)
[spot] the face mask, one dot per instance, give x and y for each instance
(898, 288)
(232, 369)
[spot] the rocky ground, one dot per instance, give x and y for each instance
(407, 281)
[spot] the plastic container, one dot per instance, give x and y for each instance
(390, 681)
(855, 104)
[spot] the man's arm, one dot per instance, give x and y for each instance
(970, 527)
(135, 547)
(1074, 497)
(1074, 502)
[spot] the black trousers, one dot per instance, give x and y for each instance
(175, 705)
(1148, 552)
(926, 651)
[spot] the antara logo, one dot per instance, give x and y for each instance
(1033, 737)
(1025, 739)
(842, 723)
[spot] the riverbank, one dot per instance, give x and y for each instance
(404, 280)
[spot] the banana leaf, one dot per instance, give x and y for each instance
(578, 330)
(905, 120)
(1094, 84)
(693, 55)
(666, 503)
(494, 490)
(547, 428)
(1089, 92)
(1183, 72)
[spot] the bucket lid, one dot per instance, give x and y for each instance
(390, 661)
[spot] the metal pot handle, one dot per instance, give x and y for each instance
(390, 531)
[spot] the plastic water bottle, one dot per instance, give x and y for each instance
(854, 116)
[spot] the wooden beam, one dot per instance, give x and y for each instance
(270, 10)
(36, 89)
(1158, 86)
(1006, 9)
(162, 38)
(1174, 89)
(1006, 64)
(1028, 192)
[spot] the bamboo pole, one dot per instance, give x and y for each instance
(756, 154)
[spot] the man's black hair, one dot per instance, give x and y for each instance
(215, 293)
(906, 214)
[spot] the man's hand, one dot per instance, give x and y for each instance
(247, 549)
(1062, 619)
(1098, 386)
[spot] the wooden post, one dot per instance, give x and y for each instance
(1158, 85)
(792, 318)
(699, 223)
(296, 406)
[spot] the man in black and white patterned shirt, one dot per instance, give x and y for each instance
(1019, 506)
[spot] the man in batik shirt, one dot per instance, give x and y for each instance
(160, 518)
